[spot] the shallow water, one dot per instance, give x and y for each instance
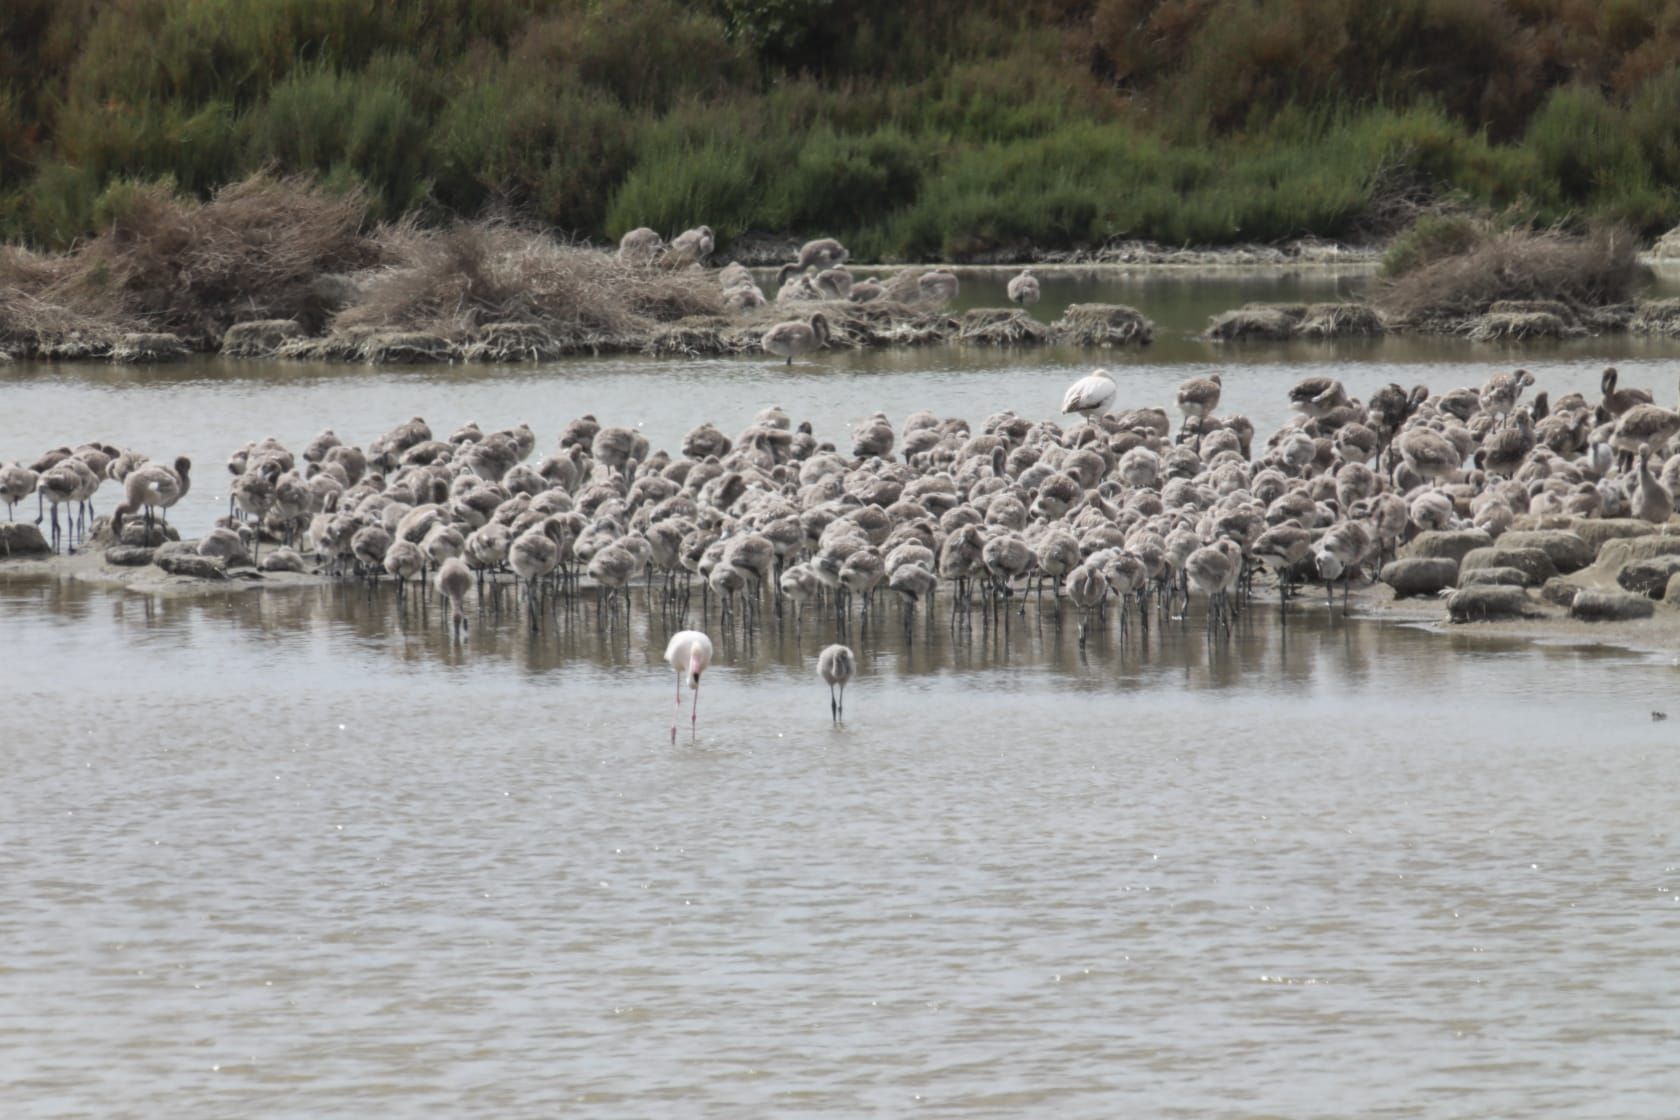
(297, 852)
(299, 849)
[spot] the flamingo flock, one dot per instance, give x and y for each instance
(1125, 512)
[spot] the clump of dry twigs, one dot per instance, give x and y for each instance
(1103, 324)
(453, 283)
(1587, 270)
(257, 249)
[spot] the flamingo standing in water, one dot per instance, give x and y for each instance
(454, 580)
(835, 665)
(690, 653)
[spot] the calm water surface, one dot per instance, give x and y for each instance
(296, 853)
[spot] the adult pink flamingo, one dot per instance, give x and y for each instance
(689, 652)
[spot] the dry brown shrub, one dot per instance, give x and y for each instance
(1001, 326)
(1657, 316)
(30, 319)
(256, 250)
(1591, 270)
(1520, 326)
(1248, 324)
(1102, 324)
(1340, 320)
(453, 282)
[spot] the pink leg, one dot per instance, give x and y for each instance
(679, 709)
(694, 716)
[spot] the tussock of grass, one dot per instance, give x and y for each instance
(1252, 324)
(1103, 324)
(1340, 320)
(1562, 310)
(1657, 316)
(699, 336)
(409, 348)
(1520, 326)
(1001, 326)
(510, 342)
(259, 338)
(149, 346)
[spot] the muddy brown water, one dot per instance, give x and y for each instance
(299, 853)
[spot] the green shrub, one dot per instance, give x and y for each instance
(841, 182)
(1583, 144)
(947, 126)
(557, 150)
(1429, 239)
(319, 119)
(55, 207)
(680, 181)
(645, 53)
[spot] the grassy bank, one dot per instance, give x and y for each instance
(944, 129)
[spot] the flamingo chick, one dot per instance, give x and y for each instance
(790, 339)
(835, 665)
(453, 582)
(1023, 289)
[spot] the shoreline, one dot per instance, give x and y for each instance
(1375, 602)
(877, 325)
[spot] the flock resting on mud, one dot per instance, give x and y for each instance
(1120, 508)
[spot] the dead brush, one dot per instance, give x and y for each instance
(28, 322)
(1102, 324)
(1591, 270)
(30, 319)
(1001, 326)
(1340, 320)
(255, 250)
(456, 281)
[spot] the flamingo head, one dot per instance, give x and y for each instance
(1329, 566)
(695, 668)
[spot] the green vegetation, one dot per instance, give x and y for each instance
(949, 128)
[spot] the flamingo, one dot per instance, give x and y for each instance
(794, 338)
(149, 487)
(689, 652)
(16, 483)
(1090, 396)
(825, 252)
(453, 582)
(835, 665)
(639, 247)
(1023, 289)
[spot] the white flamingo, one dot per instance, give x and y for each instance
(1090, 396)
(689, 653)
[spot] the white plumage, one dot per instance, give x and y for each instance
(1090, 396)
(689, 652)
